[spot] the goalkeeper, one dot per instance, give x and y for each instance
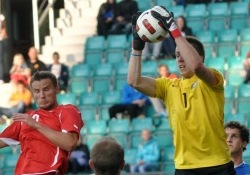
(195, 102)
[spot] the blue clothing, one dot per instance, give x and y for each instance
(149, 153)
(130, 94)
(242, 169)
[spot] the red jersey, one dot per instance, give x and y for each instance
(38, 154)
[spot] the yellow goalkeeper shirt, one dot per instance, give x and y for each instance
(196, 117)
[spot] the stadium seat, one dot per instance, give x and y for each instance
(94, 44)
(2, 127)
(239, 15)
(138, 124)
(88, 113)
(103, 71)
(165, 3)
(121, 138)
(164, 138)
(104, 113)
(93, 59)
(80, 72)
(178, 10)
(235, 117)
(163, 124)
(217, 16)
(119, 84)
(101, 85)
(117, 43)
(135, 140)
(196, 14)
(234, 73)
(217, 63)
(149, 68)
(89, 99)
(243, 100)
(172, 65)
(227, 40)
(169, 167)
(208, 40)
(67, 98)
(97, 127)
(6, 150)
(115, 58)
(244, 41)
(77, 87)
(111, 97)
(144, 5)
(229, 93)
(168, 154)
(91, 139)
(119, 126)
(130, 155)
(10, 161)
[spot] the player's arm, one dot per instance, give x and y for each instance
(66, 141)
(192, 59)
(145, 85)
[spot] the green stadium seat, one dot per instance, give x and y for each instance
(168, 154)
(111, 97)
(119, 126)
(89, 99)
(229, 93)
(130, 155)
(239, 12)
(243, 100)
(163, 124)
(138, 124)
(77, 87)
(218, 14)
(88, 113)
(10, 161)
(196, 15)
(103, 71)
(101, 85)
(178, 10)
(94, 44)
(80, 72)
(164, 138)
(135, 140)
(6, 150)
(217, 63)
(104, 113)
(2, 127)
(144, 5)
(97, 127)
(235, 117)
(208, 40)
(165, 3)
(115, 57)
(244, 41)
(121, 138)
(172, 65)
(119, 84)
(149, 68)
(91, 139)
(117, 42)
(93, 59)
(67, 98)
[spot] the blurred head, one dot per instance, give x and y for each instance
(181, 22)
(146, 135)
(18, 59)
(20, 86)
(111, 1)
(44, 88)
(237, 137)
(56, 57)
(198, 46)
(163, 70)
(33, 54)
(107, 157)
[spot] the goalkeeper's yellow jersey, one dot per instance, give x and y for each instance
(196, 115)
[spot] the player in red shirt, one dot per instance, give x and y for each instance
(46, 135)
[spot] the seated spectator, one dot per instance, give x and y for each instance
(148, 154)
(168, 44)
(125, 10)
(237, 140)
(133, 102)
(34, 63)
(79, 158)
(153, 48)
(107, 157)
(19, 70)
(19, 101)
(60, 71)
(157, 103)
(246, 64)
(106, 16)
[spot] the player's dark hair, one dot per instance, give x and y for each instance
(244, 132)
(197, 45)
(107, 156)
(41, 75)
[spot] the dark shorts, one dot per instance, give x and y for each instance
(226, 169)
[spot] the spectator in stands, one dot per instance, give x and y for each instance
(168, 45)
(106, 16)
(125, 10)
(79, 158)
(237, 140)
(61, 71)
(154, 48)
(19, 101)
(3, 36)
(157, 103)
(33, 62)
(246, 64)
(20, 70)
(133, 102)
(148, 154)
(107, 157)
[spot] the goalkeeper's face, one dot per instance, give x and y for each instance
(183, 69)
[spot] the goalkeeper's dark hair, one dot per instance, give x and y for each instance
(197, 45)
(244, 132)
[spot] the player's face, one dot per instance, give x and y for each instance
(183, 69)
(234, 141)
(44, 93)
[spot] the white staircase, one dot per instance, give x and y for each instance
(76, 22)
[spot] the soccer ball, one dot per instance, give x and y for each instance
(149, 28)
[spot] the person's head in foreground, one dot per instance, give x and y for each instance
(107, 157)
(44, 88)
(198, 46)
(237, 138)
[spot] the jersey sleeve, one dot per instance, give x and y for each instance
(161, 87)
(10, 135)
(71, 120)
(220, 79)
